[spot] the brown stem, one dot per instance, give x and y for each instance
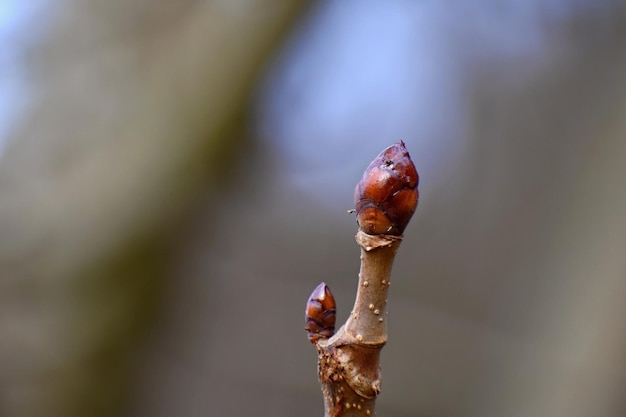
(367, 320)
(348, 364)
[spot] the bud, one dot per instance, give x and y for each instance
(320, 314)
(386, 197)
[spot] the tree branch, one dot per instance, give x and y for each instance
(348, 362)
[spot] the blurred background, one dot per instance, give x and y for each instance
(174, 179)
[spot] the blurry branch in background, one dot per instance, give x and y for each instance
(139, 108)
(348, 361)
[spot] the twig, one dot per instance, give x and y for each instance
(348, 361)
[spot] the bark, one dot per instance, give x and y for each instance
(348, 365)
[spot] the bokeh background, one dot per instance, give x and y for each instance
(174, 179)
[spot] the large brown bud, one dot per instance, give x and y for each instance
(386, 197)
(320, 314)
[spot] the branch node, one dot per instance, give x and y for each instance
(370, 242)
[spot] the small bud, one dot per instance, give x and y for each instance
(386, 196)
(320, 314)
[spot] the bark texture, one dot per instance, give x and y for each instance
(348, 362)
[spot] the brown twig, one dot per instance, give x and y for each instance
(348, 362)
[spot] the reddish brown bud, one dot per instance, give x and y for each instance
(386, 197)
(320, 314)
